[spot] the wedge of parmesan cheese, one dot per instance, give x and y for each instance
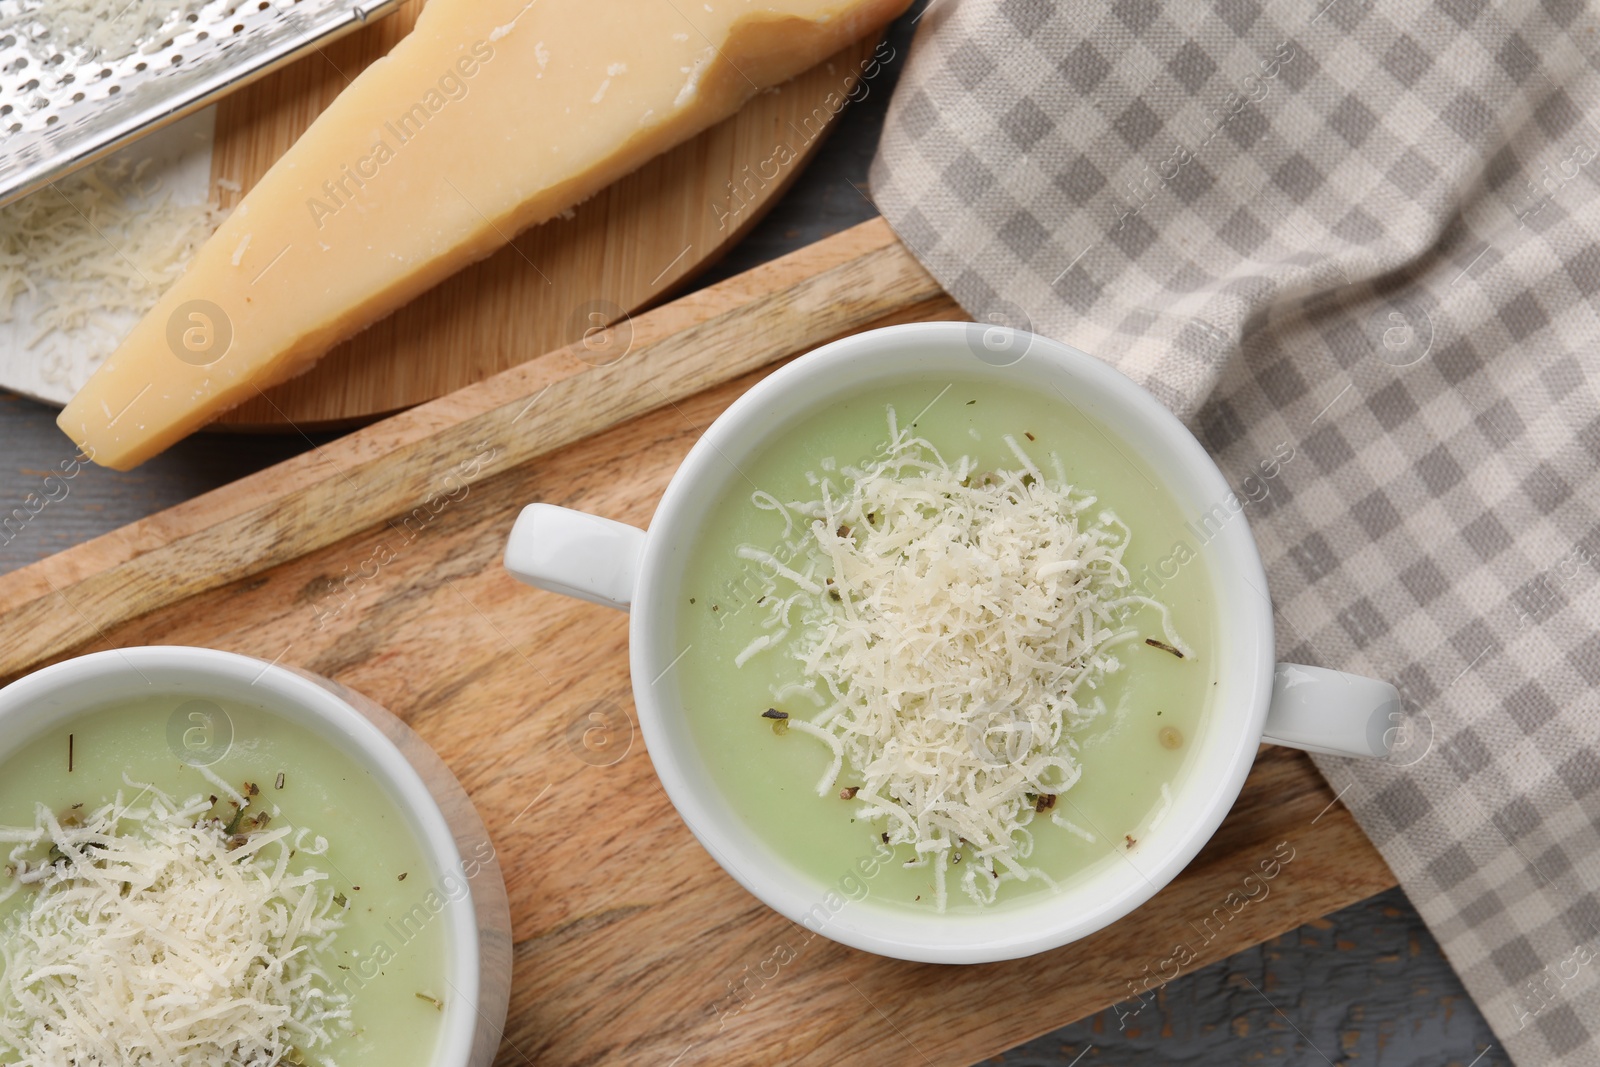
(153, 938)
(952, 619)
(491, 116)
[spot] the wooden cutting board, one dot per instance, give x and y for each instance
(621, 251)
(632, 945)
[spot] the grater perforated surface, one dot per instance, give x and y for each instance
(61, 108)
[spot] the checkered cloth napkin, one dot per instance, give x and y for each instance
(1366, 236)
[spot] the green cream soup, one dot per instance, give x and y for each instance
(1131, 751)
(389, 956)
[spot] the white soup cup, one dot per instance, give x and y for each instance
(1256, 700)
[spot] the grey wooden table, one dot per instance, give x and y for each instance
(1365, 985)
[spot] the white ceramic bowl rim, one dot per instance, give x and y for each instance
(1224, 750)
(34, 702)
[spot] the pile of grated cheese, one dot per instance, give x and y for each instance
(98, 29)
(154, 938)
(950, 619)
(106, 241)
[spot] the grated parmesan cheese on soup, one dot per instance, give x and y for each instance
(952, 620)
(157, 936)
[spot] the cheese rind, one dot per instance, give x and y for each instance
(489, 117)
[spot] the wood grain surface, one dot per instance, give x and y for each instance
(632, 945)
(622, 250)
(855, 280)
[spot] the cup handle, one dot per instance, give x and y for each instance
(575, 554)
(1331, 713)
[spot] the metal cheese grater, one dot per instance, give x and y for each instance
(59, 112)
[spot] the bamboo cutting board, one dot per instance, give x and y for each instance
(631, 944)
(620, 251)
